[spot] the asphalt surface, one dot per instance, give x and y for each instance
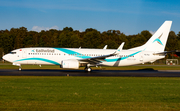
(121, 73)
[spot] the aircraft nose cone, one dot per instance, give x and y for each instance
(5, 57)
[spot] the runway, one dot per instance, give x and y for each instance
(121, 73)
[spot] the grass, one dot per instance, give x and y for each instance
(25, 93)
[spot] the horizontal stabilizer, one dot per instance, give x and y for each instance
(177, 52)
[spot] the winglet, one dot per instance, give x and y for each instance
(119, 48)
(105, 47)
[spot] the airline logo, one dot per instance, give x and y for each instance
(43, 50)
(158, 40)
(33, 50)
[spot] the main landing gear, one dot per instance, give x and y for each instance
(87, 68)
(20, 68)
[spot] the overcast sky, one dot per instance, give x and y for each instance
(128, 16)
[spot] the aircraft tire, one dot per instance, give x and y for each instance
(88, 69)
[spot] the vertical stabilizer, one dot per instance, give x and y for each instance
(158, 41)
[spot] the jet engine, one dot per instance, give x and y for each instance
(74, 64)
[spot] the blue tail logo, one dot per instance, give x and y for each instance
(158, 40)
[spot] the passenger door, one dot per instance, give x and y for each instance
(141, 57)
(24, 54)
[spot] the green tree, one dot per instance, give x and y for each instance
(111, 44)
(172, 42)
(178, 35)
(6, 42)
(92, 39)
(20, 33)
(146, 34)
(70, 29)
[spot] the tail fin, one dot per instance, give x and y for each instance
(158, 41)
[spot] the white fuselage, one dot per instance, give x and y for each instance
(55, 56)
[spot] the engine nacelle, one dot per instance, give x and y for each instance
(73, 64)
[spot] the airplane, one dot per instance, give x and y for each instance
(71, 58)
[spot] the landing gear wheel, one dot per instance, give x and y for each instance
(88, 69)
(19, 68)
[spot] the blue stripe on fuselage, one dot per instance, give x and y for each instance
(40, 59)
(76, 54)
(122, 58)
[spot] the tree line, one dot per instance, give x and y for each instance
(91, 38)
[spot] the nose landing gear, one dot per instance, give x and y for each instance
(17, 65)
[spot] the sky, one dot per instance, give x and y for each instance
(128, 16)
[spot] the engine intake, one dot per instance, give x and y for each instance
(73, 64)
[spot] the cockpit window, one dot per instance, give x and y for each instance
(12, 52)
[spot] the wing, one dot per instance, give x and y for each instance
(96, 60)
(100, 59)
